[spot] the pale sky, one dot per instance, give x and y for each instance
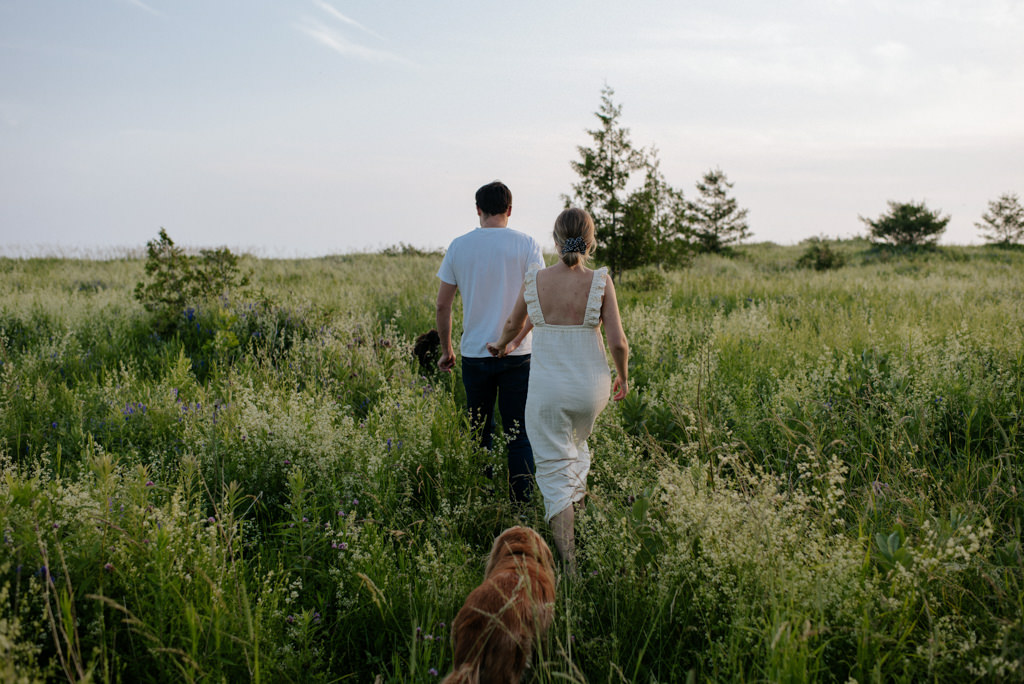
(309, 127)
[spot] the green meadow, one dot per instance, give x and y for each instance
(817, 476)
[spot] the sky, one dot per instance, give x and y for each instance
(292, 128)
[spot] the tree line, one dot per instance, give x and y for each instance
(641, 219)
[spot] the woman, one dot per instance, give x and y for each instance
(569, 380)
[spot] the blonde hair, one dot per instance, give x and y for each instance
(574, 223)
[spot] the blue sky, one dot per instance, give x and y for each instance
(308, 127)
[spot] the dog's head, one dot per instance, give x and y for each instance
(427, 349)
(520, 541)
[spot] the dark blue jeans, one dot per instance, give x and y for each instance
(505, 380)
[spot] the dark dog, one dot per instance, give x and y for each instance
(494, 632)
(427, 349)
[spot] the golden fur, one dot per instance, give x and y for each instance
(494, 632)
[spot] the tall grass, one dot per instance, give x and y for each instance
(817, 477)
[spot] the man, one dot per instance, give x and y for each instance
(487, 265)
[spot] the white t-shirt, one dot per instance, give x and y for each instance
(488, 266)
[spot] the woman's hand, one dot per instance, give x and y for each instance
(497, 351)
(620, 388)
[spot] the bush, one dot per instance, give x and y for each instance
(178, 280)
(907, 224)
(820, 256)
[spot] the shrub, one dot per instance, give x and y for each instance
(177, 279)
(907, 224)
(820, 256)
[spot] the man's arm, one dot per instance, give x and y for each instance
(445, 301)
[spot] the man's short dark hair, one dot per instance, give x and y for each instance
(494, 199)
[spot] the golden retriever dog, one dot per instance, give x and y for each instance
(494, 632)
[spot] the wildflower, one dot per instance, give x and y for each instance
(341, 514)
(211, 520)
(343, 546)
(290, 619)
(432, 672)
(355, 502)
(287, 462)
(56, 525)
(149, 483)
(109, 567)
(54, 425)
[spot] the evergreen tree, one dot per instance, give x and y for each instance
(631, 228)
(715, 218)
(907, 224)
(1003, 223)
(656, 216)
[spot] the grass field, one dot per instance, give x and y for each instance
(816, 477)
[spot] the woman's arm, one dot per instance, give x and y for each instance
(514, 344)
(617, 342)
(514, 325)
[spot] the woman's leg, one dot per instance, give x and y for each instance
(565, 537)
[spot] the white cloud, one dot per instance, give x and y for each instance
(335, 41)
(144, 6)
(342, 18)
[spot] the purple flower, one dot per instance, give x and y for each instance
(343, 546)
(109, 567)
(149, 483)
(432, 672)
(211, 520)
(290, 619)
(355, 502)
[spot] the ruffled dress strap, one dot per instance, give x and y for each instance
(596, 297)
(530, 295)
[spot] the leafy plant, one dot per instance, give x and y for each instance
(177, 279)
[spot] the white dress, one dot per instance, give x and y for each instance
(569, 385)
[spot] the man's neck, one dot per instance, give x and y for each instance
(494, 221)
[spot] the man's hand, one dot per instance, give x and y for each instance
(447, 361)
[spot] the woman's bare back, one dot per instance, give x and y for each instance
(562, 293)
